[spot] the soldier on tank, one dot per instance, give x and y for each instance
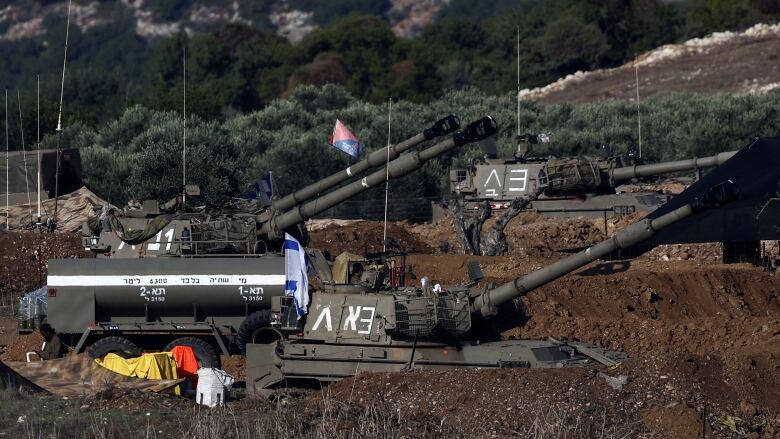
(53, 348)
(357, 273)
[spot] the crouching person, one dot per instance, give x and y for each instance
(53, 348)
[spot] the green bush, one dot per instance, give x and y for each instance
(139, 154)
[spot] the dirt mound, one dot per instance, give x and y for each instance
(366, 237)
(18, 349)
(669, 396)
(532, 234)
(528, 235)
(24, 259)
(134, 400)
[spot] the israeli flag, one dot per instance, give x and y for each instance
(297, 281)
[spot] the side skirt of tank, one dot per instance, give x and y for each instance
(270, 364)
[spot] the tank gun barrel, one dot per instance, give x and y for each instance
(639, 171)
(442, 127)
(487, 303)
(399, 167)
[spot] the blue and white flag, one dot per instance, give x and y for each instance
(297, 281)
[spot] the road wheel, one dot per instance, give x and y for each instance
(253, 327)
(204, 352)
(116, 345)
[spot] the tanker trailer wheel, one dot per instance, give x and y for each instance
(116, 345)
(256, 328)
(204, 352)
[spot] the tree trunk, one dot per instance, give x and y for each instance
(468, 227)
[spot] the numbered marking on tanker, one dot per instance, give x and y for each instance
(251, 294)
(152, 294)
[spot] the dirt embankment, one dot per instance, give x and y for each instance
(24, 259)
(366, 237)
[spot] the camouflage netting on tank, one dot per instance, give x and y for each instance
(135, 237)
(571, 175)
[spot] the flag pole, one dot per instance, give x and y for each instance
(59, 124)
(7, 167)
(638, 113)
(38, 139)
(184, 127)
(387, 174)
(24, 155)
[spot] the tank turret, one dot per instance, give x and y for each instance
(358, 330)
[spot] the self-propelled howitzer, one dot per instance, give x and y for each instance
(573, 186)
(368, 331)
(206, 281)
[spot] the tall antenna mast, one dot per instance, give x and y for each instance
(59, 121)
(387, 174)
(184, 127)
(638, 114)
(24, 154)
(38, 141)
(7, 167)
(518, 80)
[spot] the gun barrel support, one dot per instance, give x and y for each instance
(639, 171)
(377, 158)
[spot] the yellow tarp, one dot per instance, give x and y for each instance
(157, 366)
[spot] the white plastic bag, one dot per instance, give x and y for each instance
(213, 386)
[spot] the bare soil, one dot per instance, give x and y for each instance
(24, 259)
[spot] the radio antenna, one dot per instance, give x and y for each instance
(638, 114)
(7, 167)
(38, 141)
(387, 173)
(184, 127)
(24, 155)
(518, 80)
(59, 122)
